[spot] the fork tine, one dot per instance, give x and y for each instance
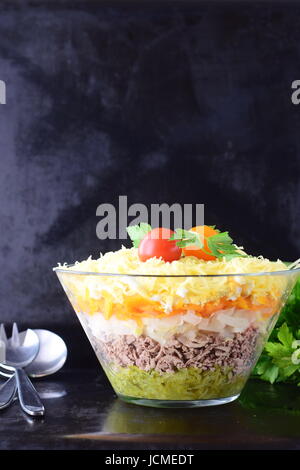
(25, 336)
(3, 336)
(15, 340)
(3, 341)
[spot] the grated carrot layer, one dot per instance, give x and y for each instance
(136, 307)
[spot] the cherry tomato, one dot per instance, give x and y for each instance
(156, 244)
(193, 250)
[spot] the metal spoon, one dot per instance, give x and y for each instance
(50, 358)
(21, 349)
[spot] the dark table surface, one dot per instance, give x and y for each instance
(83, 413)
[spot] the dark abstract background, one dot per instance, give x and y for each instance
(162, 102)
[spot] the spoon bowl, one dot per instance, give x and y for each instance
(51, 356)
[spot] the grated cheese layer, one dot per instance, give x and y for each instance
(170, 291)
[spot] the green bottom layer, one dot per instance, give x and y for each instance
(185, 384)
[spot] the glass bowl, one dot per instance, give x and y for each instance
(170, 352)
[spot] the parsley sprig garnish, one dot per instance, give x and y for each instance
(138, 232)
(185, 238)
(220, 245)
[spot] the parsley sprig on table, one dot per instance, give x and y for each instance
(280, 360)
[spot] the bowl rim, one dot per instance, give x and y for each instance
(66, 269)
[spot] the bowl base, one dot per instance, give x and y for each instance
(178, 403)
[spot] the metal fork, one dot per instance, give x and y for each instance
(7, 389)
(20, 350)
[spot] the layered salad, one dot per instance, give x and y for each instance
(180, 315)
